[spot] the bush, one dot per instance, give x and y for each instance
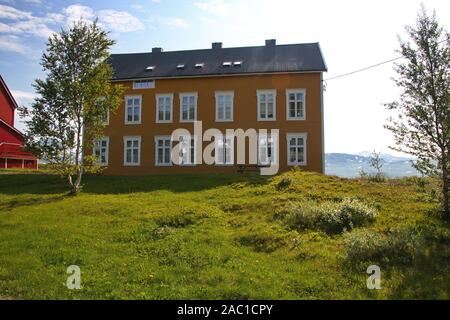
(185, 217)
(231, 207)
(397, 247)
(263, 240)
(284, 183)
(330, 217)
(373, 177)
(176, 220)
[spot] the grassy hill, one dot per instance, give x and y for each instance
(217, 236)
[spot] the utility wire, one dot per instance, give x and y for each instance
(372, 66)
(363, 69)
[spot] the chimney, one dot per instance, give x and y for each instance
(271, 42)
(216, 45)
(156, 50)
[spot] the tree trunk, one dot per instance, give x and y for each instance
(76, 185)
(445, 192)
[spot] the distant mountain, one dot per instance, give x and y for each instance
(349, 165)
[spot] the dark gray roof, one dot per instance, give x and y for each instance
(305, 57)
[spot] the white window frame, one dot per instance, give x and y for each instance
(216, 147)
(138, 84)
(125, 140)
(126, 109)
(194, 147)
(303, 135)
(295, 91)
(258, 95)
(164, 95)
(224, 93)
(106, 122)
(157, 164)
(100, 140)
(273, 158)
(188, 95)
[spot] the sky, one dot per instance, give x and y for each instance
(352, 35)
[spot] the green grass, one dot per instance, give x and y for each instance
(206, 236)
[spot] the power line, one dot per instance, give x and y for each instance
(372, 66)
(363, 69)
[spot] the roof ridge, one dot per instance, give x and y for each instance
(11, 127)
(296, 57)
(210, 49)
(3, 83)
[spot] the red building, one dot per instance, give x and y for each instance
(12, 153)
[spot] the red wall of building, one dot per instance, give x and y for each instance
(9, 135)
(6, 107)
(17, 163)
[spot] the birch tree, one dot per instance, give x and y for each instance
(73, 100)
(422, 127)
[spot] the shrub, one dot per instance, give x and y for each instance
(231, 207)
(284, 183)
(263, 240)
(185, 217)
(397, 247)
(373, 177)
(331, 217)
(177, 220)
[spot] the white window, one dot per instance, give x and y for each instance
(266, 151)
(224, 150)
(132, 151)
(295, 104)
(267, 105)
(105, 117)
(163, 151)
(296, 148)
(224, 106)
(133, 109)
(101, 147)
(188, 107)
(187, 150)
(143, 84)
(164, 107)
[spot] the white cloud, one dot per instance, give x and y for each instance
(214, 6)
(29, 27)
(119, 21)
(34, 1)
(55, 17)
(23, 95)
(137, 7)
(174, 22)
(12, 43)
(113, 20)
(78, 12)
(25, 23)
(7, 12)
